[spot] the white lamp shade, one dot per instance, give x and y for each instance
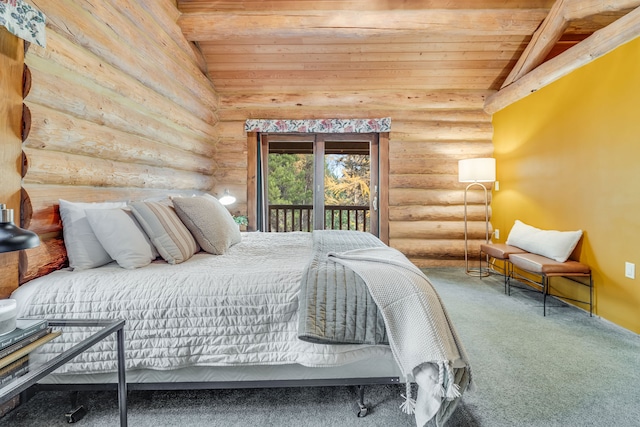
(477, 170)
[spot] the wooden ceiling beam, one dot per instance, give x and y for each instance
(580, 9)
(554, 26)
(599, 43)
(349, 99)
(358, 24)
(543, 40)
(189, 6)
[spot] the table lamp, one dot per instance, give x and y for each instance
(12, 238)
(227, 198)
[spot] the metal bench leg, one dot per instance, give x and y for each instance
(545, 291)
(590, 295)
(486, 257)
(507, 273)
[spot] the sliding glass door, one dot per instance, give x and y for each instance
(320, 181)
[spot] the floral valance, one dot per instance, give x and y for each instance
(319, 125)
(23, 21)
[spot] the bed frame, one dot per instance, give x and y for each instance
(361, 408)
(51, 256)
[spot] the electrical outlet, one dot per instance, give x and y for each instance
(496, 185)
(496, 234)
(630, 270)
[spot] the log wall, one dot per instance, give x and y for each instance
(11, 107)
(121, 109)
(430, 132)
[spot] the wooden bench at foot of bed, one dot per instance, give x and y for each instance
(545, 268)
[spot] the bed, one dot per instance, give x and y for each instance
(234, 320)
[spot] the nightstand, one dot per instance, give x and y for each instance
(104, 328)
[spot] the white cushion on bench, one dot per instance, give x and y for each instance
(553, 244)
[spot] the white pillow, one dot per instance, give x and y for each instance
(122, 237)
(83, 248)
(168, 234)
(553, 244)
(209, 221)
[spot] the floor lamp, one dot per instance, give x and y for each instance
(476, 171)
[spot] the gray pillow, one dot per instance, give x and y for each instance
(210, 223)
(168, 234)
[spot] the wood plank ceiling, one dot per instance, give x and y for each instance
(289, 46)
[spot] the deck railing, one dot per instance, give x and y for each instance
(284, 218)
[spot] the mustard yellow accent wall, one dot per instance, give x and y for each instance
(568, 157)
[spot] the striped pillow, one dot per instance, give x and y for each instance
(168, 234)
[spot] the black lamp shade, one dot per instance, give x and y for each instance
(14, 238)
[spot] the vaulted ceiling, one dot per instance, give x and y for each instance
(284, 46)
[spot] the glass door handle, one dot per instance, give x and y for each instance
(374, 203)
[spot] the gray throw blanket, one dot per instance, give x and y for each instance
(335, 304)
(423, 340)
(356, 290)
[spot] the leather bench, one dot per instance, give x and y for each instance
(534, 256)
(500, 251)
(544, 268)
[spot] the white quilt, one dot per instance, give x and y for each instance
(212, 310)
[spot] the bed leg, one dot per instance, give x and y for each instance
(78, 412)
(361, 409)
(75, 415)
